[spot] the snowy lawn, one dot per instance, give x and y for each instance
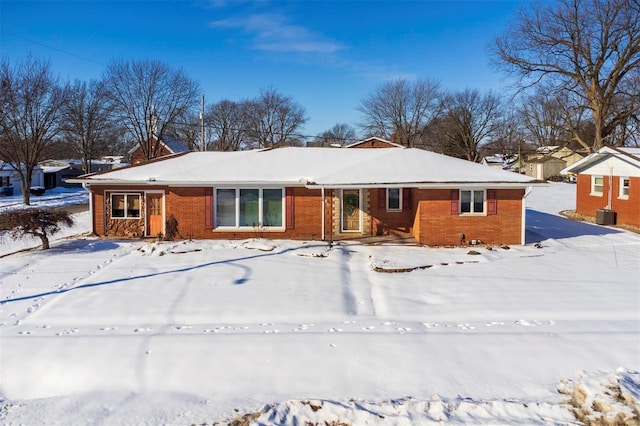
(130, 332)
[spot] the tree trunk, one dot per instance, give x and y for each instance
(45, 241)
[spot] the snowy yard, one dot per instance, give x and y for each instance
(129, 332)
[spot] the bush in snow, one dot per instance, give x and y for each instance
(37, 222)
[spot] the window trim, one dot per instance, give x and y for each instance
(260, 224)
(593, 186)
(621, 195)
(400, 200)
(472, 212)
(126, 195)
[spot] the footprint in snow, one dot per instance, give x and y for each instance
(430, 324)
(335, 330)
(465, 327)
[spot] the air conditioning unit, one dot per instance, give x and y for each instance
(605, 217)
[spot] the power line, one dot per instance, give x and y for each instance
(57, 49)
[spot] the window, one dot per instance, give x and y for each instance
(624, 187)
(249, 207)
(394, 199)
(125, 206)
(597, 185)
(472, 201)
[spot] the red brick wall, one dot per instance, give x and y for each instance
(627, 210)
(435, 225)
(390, 222)
(428, 216)
(188, 207)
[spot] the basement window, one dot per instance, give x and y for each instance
(125, 206)
(597, 185)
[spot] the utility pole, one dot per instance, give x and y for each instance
(204, 146)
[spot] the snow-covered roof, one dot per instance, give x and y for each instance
(629, 155)
(311, 167)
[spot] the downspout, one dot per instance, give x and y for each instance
(610, 188)
(527, 191)
(93, 225)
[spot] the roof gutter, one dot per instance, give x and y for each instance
(429, 185)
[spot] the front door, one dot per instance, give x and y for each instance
(155, 222)
(351, 210)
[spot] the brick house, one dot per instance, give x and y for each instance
(609, 179)
(168, 145)
(312, 193)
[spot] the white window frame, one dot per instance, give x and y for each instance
(399, 208)
(593, 186)
(260, 225)
(472, 212)
(126, 195)
(621, 194)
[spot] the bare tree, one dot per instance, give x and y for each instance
(229, 122)
(86, 121)
(147, 97)
(590, 48)
(31, 99)
(340, 134)
(403, 109)
(547, 116)
(470, 119)
(188, 130)
(274, 119)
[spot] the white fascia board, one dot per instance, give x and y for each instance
(192, 184)
(435, 185)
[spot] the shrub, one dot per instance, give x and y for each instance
(37, 222)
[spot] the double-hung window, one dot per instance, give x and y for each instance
(125, 206)
(249, 208)
(472, 201)
(624, 188)
(394, 199)
(597, 185)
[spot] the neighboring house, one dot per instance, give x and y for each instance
(374, 142)
(56, 172)
(495, 161)
(10, 183)
(609, 179)
(566, 154)
(312, 193)
(168, 146)
(542, 168)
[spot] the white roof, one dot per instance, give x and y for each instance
(311, 167)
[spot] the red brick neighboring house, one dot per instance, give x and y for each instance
(374, 142)
(168, 146)
(312, 193)
(609, 179)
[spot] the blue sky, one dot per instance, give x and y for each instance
(327, 55)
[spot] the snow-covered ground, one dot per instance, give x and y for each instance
(128, 332)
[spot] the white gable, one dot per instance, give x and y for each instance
(609, 162)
